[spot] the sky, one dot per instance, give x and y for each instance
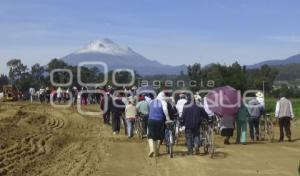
(172, 32)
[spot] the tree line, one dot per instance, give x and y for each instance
(22, 77)
(242, 78)
(235, 75)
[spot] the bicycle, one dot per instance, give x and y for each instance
(216, 124)
(178, 127)
(170, 137)
(207, 138)
(266, 129)
(138, 126)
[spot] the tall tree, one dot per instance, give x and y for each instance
(16, 69)
(3, 81)
(37, 72)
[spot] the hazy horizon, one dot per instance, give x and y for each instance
(171, 32)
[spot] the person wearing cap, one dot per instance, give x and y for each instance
(130, 115)
(143, 111)
(284, 112)
(260, 98)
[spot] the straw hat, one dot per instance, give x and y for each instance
(259, 94)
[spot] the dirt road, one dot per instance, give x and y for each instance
(41, 140)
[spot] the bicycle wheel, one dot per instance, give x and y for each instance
(211, 149)
(262, 130)
(270, 131)
(141, 130)
(206, 143)
(138, 128)
(177, 132)
(171, 144)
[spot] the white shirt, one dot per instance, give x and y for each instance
(148, 99)
(277, 110)
(161, 97)
(206, 108)
(180, 105)
(59, 92)
(31, 91)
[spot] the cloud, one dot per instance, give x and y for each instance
(285, 38)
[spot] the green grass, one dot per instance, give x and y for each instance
(271, 104)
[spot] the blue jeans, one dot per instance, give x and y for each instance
(192, 140)
(254, 125)
(130, 126)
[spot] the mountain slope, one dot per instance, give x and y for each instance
(291, 60)
(290, 73)
(117, 57)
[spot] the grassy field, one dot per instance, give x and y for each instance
(271, 104)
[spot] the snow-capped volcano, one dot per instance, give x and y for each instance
(116, 57)
(106, 46)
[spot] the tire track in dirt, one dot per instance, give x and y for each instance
(23, 153)
(78, 158)
(32, 145)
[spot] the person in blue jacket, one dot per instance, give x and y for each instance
(158, 114)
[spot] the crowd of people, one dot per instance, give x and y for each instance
(59, 95)
(124, 107)
(155, 112)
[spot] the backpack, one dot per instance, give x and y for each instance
(156, 110)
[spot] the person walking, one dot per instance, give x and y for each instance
(241, 125)
(74, 92)
(192, 117)
(158, 114)
(47, 94)
(107, 110)
(117, 109)
(84, 96)
(180, 104)
(41, 94)
(31, 93)
(255, 110)
(59, 94)
(143, 111)
(284, 112)
(227, 127)
(130, 114)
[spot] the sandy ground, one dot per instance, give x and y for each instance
(41, 140)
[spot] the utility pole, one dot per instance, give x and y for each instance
(264, 88)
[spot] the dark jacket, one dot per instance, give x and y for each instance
(109, 103)
(243, 114)
(172, 111)
(118, 106)
(255, 109)
(192, 116)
